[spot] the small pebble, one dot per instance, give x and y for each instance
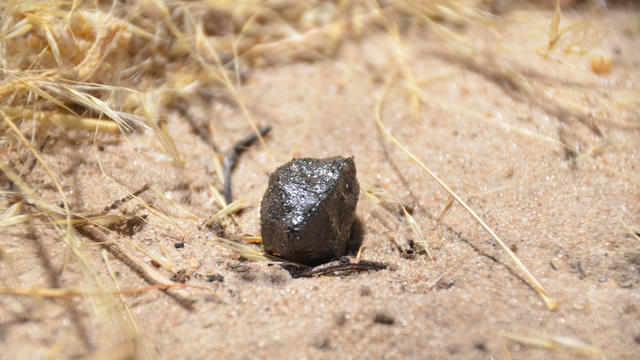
(178, 245)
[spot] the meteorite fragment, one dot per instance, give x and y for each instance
(308, 209)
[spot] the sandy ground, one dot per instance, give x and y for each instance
(561, 213)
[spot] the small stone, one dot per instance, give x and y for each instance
(178, 245)
(307, 212)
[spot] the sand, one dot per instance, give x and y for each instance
(498, 146)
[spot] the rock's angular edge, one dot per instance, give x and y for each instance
(307, 212)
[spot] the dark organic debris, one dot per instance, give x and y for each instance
(214, 277)
(307, 212)
(132, 225)
(231, 157)
(181, 276)
(178, 245)
(384, 319)
(444, 284)
(119, 202)
(481, 346)
(633, 257)
(365, 290)
(240, 268)
(344, 266)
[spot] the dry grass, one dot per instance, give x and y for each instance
(109, 69)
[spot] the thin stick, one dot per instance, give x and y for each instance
(231, 157)
(342, 267)
(119, 202)
(549, 301)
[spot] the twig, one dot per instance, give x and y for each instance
(341, 267)
(231, 157)
(119, 202)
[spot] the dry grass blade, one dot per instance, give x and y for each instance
(227, 210)
(224, 78)
(553, 28)
(68, 120)
(35, 85)
(103, 306)
(549, 301)
(54, 46)
(146, 271)
(127, 308)
(67, 293)
(554, 342)
(634, 233)
(416, 229)
(16, 179)
(377, 196)
(247, 251)
(100, 220)
(18, 219)
(407, 73)
(159, 127)
(102, 107)
(12, 210)
(20, 28)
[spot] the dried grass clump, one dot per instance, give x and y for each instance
(116, 68)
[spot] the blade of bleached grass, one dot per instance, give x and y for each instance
(549, 301)
(93, 102)
(416, 229)
(227, 210)
(376, 195)
(553, 342)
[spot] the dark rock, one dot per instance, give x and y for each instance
(308, 209)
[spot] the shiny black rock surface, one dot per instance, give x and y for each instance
(308, 209)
